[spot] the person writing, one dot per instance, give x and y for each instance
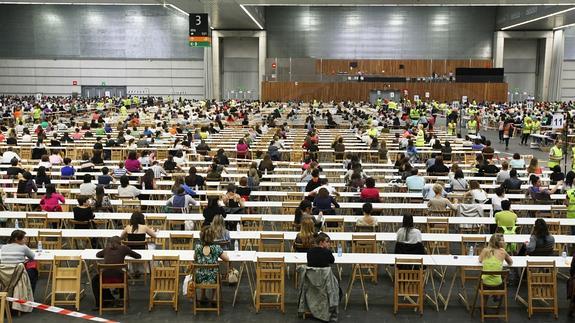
(17, 252)
(320, 255)
(492, 258)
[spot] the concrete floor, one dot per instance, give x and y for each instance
(380, 298)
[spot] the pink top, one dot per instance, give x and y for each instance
(132, 165)
(52, 204)
(242, 148)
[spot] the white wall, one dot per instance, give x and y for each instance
(148, 77)
(568, 81)
(240, 65)
(520, 64)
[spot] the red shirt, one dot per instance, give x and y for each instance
(369, 193)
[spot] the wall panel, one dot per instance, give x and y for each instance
(380, 32)
(284, 91)
(159, 78)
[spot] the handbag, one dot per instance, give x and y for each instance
(233, 276)
(31, 264)
(188, 286)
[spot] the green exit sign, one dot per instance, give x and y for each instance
(103, 83)
(200, 44)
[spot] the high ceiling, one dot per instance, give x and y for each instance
(249, 14)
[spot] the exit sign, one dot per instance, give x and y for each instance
(103, 83)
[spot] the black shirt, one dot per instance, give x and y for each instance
(319, 257)
(512, 183)
(104, 180)
(14, 171)
(243, 191)
(210, 212)
(84, 215)
(311, 185)
(11, 141)
(42, 181)
(169, 165)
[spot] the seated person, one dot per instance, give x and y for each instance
(541, 243)
(513, 182)
(222, 235)
(83, 213)
(409, 239)
(207, 252)
(415, 182)
(438, 202)
(369, 193)
(492, 258)
(181, 200)
(367, 219)
(306, 236)
(67, 170)
(539, 193)
(105, 179)
(233, 202)
(114, 253)
(438, 167)
(16, 252)
(87, 188)
(323, 203)
(50, 202)
(320, 255)
(14, 170)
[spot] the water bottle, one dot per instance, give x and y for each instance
(17, 224)
(564, 254)
(238, 227)
(339, 250)
(236, 246)
(197, 188)
(471, 251)
(39, 246)
(266, 171)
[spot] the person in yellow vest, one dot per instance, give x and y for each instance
(570, 202)
(526, 130)
(472, 126)
(372, 132)
(136, 101)
(378, 103)
(451, 128)
(392, 105)
(414, 115)
(555, 155)
(420, 138)
(573, 159)
(123, 111)
(536, 126)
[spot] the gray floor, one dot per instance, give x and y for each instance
(380, 299)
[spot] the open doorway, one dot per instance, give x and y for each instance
(92, 91)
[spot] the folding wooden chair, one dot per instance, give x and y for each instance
(408, 284)
(194, 286)
(334, 224)
(271, 242)
(362, 244)
(5, 308)
(250, 224)
(36, 221)
(270, 284)
(66, 281)
(164, 281)
(181, 242)
(542, 287)
(484, 292)
(158, 222)
(128, 206)
(559, 211)
(111, 284)
(438, 226)
(470, 274)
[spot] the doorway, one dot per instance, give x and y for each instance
(91, 91)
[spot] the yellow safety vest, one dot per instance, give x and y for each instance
(526, 126)
(451, 128)
(571, 206)
(414, 114)
(472, 125)
(555, 153)
(420, 139)
(536, 127)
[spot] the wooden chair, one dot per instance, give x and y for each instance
(334, 225)
(193, 288)
(440, 213)
(555, 229)
(181, 242)
(470, 274)
(129, 206)
(270, 284)
(559, 211)
(36, 221)
(408, 284)
(79, 242)
(271, 242)
(5, 308)
(164, 280)
(117, 154)
(439, 226)
(66, 281)
(250, 224)
(542, 287)
(107, 284)
(362, 244)
(484, 292)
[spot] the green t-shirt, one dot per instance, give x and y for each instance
(505, 218)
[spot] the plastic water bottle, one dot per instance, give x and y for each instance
(197, 188)
(17, 224)
(265, 171)
(339, 250)
(564, 254)
(40, 246)
(471, 251)
(238, 227)
(236, 246)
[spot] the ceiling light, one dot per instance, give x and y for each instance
(539, 18)
(250, 15)
(564, 26)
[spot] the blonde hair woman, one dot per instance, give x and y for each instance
(219, 228)
(492, 258)
(306, 235)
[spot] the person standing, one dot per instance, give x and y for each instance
(555, 155)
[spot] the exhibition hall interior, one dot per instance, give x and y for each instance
(287, 160)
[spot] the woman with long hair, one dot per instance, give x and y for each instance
(541, 242)
(114, 253)
(16, 251)
(148, 181)
(219, 227)
(102, 202)
(492, 258)
(323, 202)
(207, 252)
(138, 226)
(50, 202)
(42, 179)
(306, 235)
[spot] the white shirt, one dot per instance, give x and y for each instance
(331, 190)
(26, 138)
(128, 191)
(496, 202)
(7, 157)
(88, 189)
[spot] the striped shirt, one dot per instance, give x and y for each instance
(14, 253)
(119, 172)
